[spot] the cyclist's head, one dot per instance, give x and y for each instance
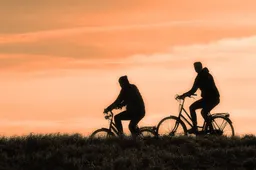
(198, 66)
(123, 81)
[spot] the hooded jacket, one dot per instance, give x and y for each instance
(130, 97)
(205, 82)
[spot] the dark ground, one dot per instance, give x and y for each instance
(74, 152)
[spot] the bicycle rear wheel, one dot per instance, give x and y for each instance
(171, 126)
(147, 132)
(222, 126)
(102, 134)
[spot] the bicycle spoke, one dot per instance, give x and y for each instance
(222, 126)
(147, 133)
(102, 134)
(223, 121)
(215, 124)
(171, 127)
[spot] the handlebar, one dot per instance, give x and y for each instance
(108, 114)
(178, 97)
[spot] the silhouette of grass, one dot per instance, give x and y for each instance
(75, 152)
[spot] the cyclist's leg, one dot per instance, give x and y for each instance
(133, 125)
(208, 105)
(193, 107)
(121, 116)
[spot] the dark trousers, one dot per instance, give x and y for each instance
(134, 120)
(206, 104)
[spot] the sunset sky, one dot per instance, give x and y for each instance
(60, 60)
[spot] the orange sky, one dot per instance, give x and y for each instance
(60, 62)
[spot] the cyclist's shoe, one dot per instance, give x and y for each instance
(193, 130)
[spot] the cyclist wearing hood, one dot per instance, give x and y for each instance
(130, 97)
(209, 93)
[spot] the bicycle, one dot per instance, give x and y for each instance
(176, 124)
(113, 132)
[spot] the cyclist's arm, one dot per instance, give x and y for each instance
(117, 102)
(193, 89)
(122, 104)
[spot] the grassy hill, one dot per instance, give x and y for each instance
(74, 152)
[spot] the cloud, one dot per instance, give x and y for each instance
(230, 52)
(59, 33)
(30, 16)
(57, 48)
(66, 32)
(232, 58)
(116, 46)
(229, 49)
(227, 45)
(47, 64)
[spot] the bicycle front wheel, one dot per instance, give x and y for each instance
(223, 126)
(171, 126)
(102, 134)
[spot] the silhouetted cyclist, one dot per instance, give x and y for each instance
(135, 110)
(209, 93)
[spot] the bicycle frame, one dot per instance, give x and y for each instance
(184, 120)
(112, 125)
(183, 117)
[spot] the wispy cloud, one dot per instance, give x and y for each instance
(60, 33)
(228, 48)
(225, 50)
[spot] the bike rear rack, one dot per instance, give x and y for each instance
(220, 114)
(216, 114)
